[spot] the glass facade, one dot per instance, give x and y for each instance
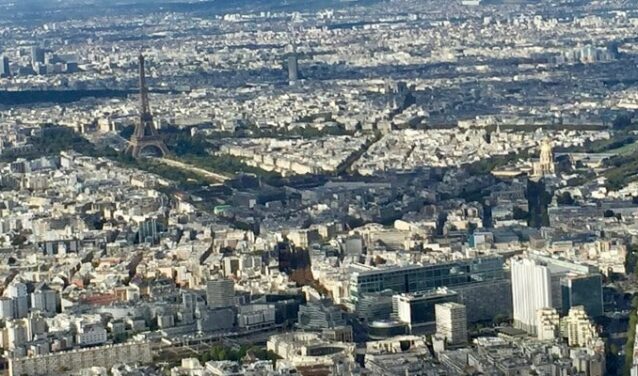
(585, 290)
(426, 277)
(422, 308)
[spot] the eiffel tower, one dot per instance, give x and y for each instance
(145, 140)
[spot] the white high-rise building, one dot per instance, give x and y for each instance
(531, 291)
(17, 291)
(547, 323)
(6, 308)
(17, 333)
(220, 293)
(578, 328)
(45, 299)
(451, 322)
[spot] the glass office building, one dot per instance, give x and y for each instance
(574, 284)
(583, 290)
(418, 309)
(417, 278)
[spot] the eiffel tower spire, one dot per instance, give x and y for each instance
(145, 139)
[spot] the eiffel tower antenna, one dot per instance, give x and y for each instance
(145, 140)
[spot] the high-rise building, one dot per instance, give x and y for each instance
(486, 301)
(17, 291)
(149, 231)
(17, 333)
(37, 55)
(573, 284)
(547, 323)
(5, 69)
(584, 290)
(531, 291)
(293, 68)
(45, 299)
(451, 322)
(578, 328)
(220, 293)
(6, 308)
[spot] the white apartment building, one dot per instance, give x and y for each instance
(547, 323)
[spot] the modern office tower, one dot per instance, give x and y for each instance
(17, 292)
(293, 68)
(40, 69)
(37, 55)
(486, 301)
(418, 309)
(17, 333)
(531, 291)
(6, 308)
(584, 290)
(220, 293)
(578, 328)
(573, 285)
(451, 322)
(148, 231)
(45, 299)
(5, 69)
(547, 323)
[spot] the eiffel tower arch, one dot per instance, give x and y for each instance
(145, 140)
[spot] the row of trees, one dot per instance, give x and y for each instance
(631, 266)
(53, 139)
(220, 352)
(631, 337)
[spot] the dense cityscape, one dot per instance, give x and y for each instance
(319, 187)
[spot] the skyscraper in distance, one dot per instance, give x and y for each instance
(293, 68)
(37, 55)
(5, 69)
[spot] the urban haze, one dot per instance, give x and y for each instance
(318, 187)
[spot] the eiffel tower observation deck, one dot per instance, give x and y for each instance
(145, 140)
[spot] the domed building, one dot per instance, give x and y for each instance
(545, 166)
